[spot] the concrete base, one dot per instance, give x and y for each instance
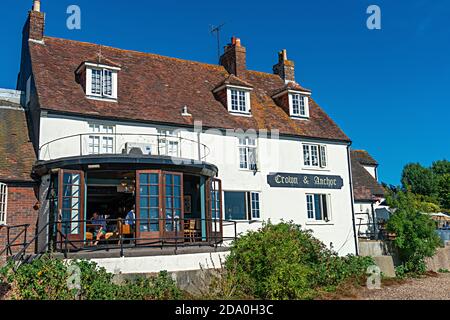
(441, 260)
(386, 265)
(170, 263)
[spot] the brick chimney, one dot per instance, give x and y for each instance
(34, 27)
(33, 30)
(284, 68)
(234, 58)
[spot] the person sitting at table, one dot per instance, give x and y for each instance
(130, 218)
(99, 227)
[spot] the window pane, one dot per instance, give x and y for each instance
(243, 157)
(306, 155)
(310, 206)
(96, 82)
(252, 158)
(317, 207)
(255, 205)
(235, 205)
(314, 156)
(324, 207)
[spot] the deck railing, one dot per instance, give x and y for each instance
(61, 237)
(87, 144)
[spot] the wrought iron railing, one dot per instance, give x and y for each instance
(15, 240)
(206, 232)
(87, 144)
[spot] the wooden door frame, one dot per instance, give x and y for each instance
(209, 190)
(148, 234)
(163, 194)
(82, 200)
(162, 233)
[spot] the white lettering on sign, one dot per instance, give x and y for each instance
(325, 181)
(289, 180)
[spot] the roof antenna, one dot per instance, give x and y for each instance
(216, 30)
(99, 54)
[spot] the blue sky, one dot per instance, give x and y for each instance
(388, 89)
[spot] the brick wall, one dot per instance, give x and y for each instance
(21, 200)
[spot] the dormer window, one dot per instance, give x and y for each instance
(234, 94)
(238, 100)
(294, 100)
(100, 81)
(298, 105)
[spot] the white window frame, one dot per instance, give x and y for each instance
(315, 155)
(101, 139)
(249, 210)
(302, 109)
(311, 207)
(254, 209)
(242, 99)
(3, 203)
(112, 95)
(169, 142)
(246, 147)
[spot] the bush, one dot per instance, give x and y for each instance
(47, 279)
(285, 262)
(416, 236)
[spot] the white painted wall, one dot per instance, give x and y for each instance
(372, 170)
(284, 155)
(169, 263)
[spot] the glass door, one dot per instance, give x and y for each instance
(148, 205)
(159, 200)
(216, 210)
(71, 190)
(173, 209)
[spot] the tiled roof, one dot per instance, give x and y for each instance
(365, 187)
(155, 88)
(290, 86)
(363, 157)
(17, 154)
(234, 81)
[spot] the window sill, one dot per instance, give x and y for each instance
(244, 221)
(99, 98)
(240, 114)
(316, 169)
(299, 117)
(319, 223)
(249, 170)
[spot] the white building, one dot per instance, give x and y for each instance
(204, 152)
(369, 202)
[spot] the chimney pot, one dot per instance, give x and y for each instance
(37, 5)
(234, 58)
(284, 68)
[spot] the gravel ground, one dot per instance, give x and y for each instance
(432, 287)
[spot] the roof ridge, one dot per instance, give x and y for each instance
(135, 51)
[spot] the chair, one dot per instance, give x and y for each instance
(190, 231)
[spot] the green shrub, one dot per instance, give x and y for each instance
(416, 236)
(285, 262)
(47, 279)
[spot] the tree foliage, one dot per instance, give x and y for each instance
(430, 185)
(415, 232)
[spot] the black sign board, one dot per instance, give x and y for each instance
(313, 181)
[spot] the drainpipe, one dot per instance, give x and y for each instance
(351, 198)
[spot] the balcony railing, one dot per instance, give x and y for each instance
(87, 144)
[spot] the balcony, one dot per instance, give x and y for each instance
(134, 145)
